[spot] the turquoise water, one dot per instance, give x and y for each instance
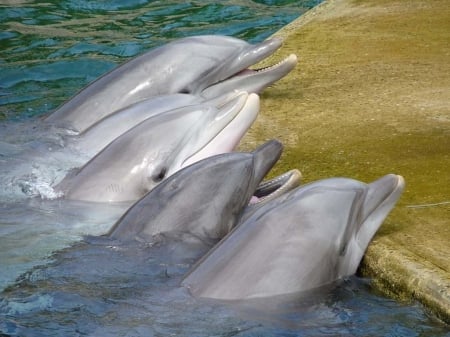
(49, 50)
(52, 286)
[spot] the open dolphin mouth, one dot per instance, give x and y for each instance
(275, 187)
(259, 52)
(272, 189)
(285, 65)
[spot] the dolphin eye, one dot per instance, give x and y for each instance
(160, 175)
(184, 91)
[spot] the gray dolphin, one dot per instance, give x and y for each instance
(202, 65)
(304, 239)
(142, 157)
(54, 151)
(203, 200)
(104, 131)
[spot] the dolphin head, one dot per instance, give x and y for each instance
(142, 157)
(338, 218)
(342, 214)
(221, 64)
(304, 239)
(204, 199)
(206, 66)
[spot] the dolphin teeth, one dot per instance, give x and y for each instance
(290, 59)
(277, 186)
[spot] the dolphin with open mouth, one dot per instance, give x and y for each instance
(142, 157)
(304, 239)
(203, 201)
(206, 66)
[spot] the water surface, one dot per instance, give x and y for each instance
(49, 50)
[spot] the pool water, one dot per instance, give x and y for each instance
(105, 289)
(49, 50)
(56, 282)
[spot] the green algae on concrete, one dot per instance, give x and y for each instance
(371, 96)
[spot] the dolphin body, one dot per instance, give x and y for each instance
(142, 157)
(203, 200)
(206, 66)
(304, 239)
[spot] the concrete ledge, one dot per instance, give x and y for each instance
(371, 96)
(398, 273)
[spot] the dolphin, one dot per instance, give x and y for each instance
(206, 66)
(99, 135)
(51, 152)
(142, 157)
(203, 200)
(304, 239)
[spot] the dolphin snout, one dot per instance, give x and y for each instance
(380, 198)
(387, 189)
(265, 157)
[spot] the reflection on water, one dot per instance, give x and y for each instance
(54, 284)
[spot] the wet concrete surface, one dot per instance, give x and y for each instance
(370, 96)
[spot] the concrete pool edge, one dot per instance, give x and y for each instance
(396, 271)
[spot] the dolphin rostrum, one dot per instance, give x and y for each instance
(142, 157)
(206, 66)
(203, 200)
(304, 239)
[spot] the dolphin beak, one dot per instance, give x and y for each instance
(237, 112)
(379, 201)
(230, 104)
(228, 139)
(255, 53)
(268, 74)
(265, 157)
(241, 77)
(387, 189)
